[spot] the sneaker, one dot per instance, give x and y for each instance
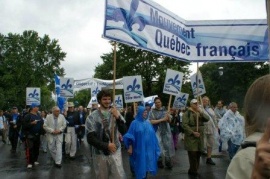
(29, 166)
(36, 163)
(210, 161)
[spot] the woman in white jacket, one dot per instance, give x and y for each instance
(55, 125)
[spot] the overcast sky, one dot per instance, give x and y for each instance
(78, 24)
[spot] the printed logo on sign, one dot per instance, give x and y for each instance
(118, 101)
(175, 83)
(34, 95)
(129, 18)
(134, 87)
(200, 87)
(67, 86)
(182, 99)
(95, 91)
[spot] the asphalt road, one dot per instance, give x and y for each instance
(13, 166)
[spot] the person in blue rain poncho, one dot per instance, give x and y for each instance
(142, 145)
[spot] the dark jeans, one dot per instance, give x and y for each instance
(232, 149)
(194, 161)
(13, 138)
(32, 149)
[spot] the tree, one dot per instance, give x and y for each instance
(234, 82)
(152, 67)
(27, 60)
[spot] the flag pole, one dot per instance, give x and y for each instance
(268, 25)
(197, 86)
(113, 97)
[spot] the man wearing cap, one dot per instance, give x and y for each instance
(72, 118)
(55, 125)
(32, 126)
(194, 137)
(14, 128)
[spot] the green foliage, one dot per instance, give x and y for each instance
(81, 98)
(234, 82)
(152, 67)
(27, 60)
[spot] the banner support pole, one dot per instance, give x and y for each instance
(113, 97)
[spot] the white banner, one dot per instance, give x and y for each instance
(33, 95)
(145, 24)
(118, 101)
(133, 90)
(180, 101)
(66, 87)
(173, 82)
(200, 89)
(89, 82)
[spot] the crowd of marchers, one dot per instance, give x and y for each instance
(149, 134)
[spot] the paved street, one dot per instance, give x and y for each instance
(13, 166)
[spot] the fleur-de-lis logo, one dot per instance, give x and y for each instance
(118, 101)
(200, 85)
(175, 82)
(134, 87)
(129, 18)
(95, 91)
(182, 99)
(34, 94)
(67, 85)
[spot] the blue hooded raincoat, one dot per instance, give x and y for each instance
(145, 147)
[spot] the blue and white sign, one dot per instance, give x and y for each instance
(133, 90)
(150, 100)
(180, 101)
(145, 24)
(33, 96)
(118, 101)
(173, 82)
(95, 90)
(66, 87)
(197, 89)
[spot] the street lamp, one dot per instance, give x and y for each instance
(220, 71)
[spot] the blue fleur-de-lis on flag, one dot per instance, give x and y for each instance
(57, 84)
(129, 18)
(34, 94)
(134, 87)
(95, 91)
(67, 85)
(194, 85)
(175, 82)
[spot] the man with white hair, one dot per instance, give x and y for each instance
(55, 125)
(232, 129)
